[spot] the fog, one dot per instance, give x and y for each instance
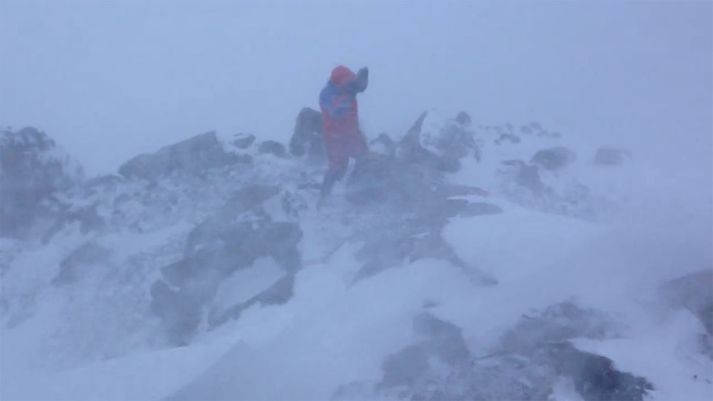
(554, 242)
(111, 79)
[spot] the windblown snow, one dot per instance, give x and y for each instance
(459, 261)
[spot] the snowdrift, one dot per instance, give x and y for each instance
(458, 261)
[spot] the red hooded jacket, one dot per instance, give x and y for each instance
(340, 116)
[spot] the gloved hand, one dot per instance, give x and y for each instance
(363, 72)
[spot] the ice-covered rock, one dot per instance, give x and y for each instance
(231, 240)
(191, 157)
(32, 170)
(695, 293)
(554, 158)
(307, 140)
(272, 148)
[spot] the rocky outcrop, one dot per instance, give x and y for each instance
(233, 239)
(80, 262)
(307, 140)
(442, 149)
(193, 156)
(272, 148)
(693, 292)
(554, 158)
(533, 355)
(32, 170)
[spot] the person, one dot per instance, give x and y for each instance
(340, 118)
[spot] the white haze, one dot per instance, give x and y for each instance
(112, 79)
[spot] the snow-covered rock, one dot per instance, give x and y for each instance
(497, 278)
(32, 170)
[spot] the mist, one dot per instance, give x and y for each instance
(112, 79)
(533, 218)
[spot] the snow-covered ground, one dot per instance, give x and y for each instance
(82, 318)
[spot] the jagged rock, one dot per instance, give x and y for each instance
(384, 145)
(233, 239)
(441, 150)
(595, 377)
(439, 365)
(608, 156)
(277, 294)
(74, 266)
(273, 148)
(307, 139)
(554, 158)
(411, 366)
(557, 323)
(463, 119)
(441, 339)
(695, 293)
(525, 175)
(243, 141)
(192, 157)
(32, 170)
(249, 198)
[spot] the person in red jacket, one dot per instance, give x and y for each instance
(340, 118)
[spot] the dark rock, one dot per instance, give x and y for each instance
(249, 198)
(526, 175)
(441, 339)
(554, 158)
(438, 340)
(193, 156)
(384, 145)
(463, 119)
(32, 170)
(243, 141)
(479, 209)
(307, 139)
(607, 156)
(405, 368)
(595, 377)
(453, 142)
(277, 294)
(695, 293)
(273, 148)
(76, 265)
(557, 323)
(233, 239)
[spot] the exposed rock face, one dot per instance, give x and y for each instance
(554, 158)
(233, 239)
(532, 357)
(32, 170)
(409, 190)
(273, 148)
(243, 141)
(608, 156)
(442, 149)
(307, 140)
(525, 175)
(695, 293)
(80, 262)
(438, 340)
(192, 156)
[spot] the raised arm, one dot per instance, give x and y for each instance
(360, 82)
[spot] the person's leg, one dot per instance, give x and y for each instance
(331, 177)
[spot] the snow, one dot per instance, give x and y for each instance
(644, 222)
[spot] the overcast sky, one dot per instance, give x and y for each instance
(110, 79)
